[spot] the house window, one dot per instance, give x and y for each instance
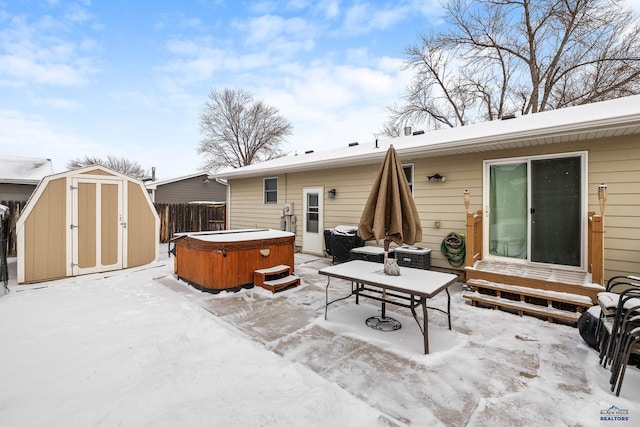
(408, 171)
(270, 191)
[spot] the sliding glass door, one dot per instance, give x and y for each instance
(535, 209)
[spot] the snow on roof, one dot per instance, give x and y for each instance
(24, 170)
(597, 120)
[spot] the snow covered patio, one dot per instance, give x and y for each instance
(136, 347)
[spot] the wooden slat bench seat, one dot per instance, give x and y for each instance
(275, 278)
(549, 304)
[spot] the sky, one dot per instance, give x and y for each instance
(130, 79)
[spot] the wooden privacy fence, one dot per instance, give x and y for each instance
(180, 218)
(174, 218)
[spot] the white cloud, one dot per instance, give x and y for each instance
(58, 104)
(33, 53)
(333, 104)
(364, 17)
(32, 136)
(284, 36)
(634, 4)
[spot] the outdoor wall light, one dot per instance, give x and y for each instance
(436, 177)
(467, 199)
(332, 193)
(602, 197)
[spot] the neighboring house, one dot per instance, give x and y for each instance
(199, 187)
(534, 179)
(19, 176)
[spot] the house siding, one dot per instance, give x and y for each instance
(190, 190)
(613, 161)
(16, 192)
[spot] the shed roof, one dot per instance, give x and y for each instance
(611, 118)
(24, 170)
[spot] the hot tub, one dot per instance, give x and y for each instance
(225, 260)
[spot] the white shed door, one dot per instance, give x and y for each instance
(313, 221)
(97, 225)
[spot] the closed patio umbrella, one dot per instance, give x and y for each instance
(390, 213)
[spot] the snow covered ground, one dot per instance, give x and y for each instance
(137, 348)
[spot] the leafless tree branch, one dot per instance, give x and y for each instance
(238, 130)
(504, 56)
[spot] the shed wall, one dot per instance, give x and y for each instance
(142, 235)
(45, 235)
(613, 161)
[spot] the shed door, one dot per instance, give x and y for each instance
(97, 225)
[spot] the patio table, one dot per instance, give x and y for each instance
(412, 288)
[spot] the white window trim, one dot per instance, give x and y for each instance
(264, 191)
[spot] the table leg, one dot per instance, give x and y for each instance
(448, 307)
(423, 302)
(327, 303)
(326, 297)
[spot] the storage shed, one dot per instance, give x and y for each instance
(88, 220)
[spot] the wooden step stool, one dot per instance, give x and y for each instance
(275, 278)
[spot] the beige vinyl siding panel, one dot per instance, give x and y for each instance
(248, 209)
(141, 228)
(616, 163)
(190, 190)
(45, 235)
(613, 161)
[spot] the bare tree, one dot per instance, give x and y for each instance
(118, 164)
(239, 131)
(501, 57)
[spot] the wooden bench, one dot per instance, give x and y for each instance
(275, 278)
(549, 304)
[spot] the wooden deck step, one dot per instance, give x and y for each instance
(281, 283)
(550, 313)
(543, 278)
(276, 269)
(275, 278)
(550, 304)
(581, 301)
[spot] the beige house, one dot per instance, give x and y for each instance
(533, 181)
(84, 221)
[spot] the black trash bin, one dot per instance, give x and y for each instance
(339, 241)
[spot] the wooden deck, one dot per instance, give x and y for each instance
(551, 293)
(537, 277)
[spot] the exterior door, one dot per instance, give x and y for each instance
(535, 210)
(97, 225)
(556, 211)
(313, 221)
